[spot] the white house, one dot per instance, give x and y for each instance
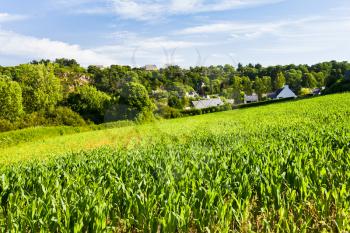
(251, 98)
(282, 93)
(207, 103)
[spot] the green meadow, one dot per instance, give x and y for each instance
(279, 168)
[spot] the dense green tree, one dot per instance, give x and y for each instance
(176, 101)
(280, 81)
(10, 99)
(320, 78)
(334, 76)
(41, 89)
(134, 103)
(247, 87)
(294, 79)
(236, 88)
(309, 80)
(89, 102)
(259, 87)
(66, 62)
(267, 84)
(135, 95)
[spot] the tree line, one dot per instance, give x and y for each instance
(61, 92)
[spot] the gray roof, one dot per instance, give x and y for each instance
(200, 104)
(284, 92)
(251, 98)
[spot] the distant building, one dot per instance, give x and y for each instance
(192, 94)
(150, 67)
(251, 98)
(282, 93)
(207, 103)
(318, 91)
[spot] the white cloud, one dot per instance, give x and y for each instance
(152, 9)
(144, 10)
(6, 17)
(136, 50)
(13, 44)
(244, 29)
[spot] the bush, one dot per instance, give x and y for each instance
(262, 103)
(169, 112)
(6, 125)
(89, 102)
(65, 116)
(191, 112)
(11, 99)
(32, 120)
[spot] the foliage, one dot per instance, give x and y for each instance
(11, 99)
(280, 81)
(305, 91)
(47, 84)
(65, 116)
(338, 87)
(89, 102)
(134, 103)
(41, 88)
(135, 95)
(6, 125)
(169, 112)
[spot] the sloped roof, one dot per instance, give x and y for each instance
(286, 91)
(200, 104)
(274, 95)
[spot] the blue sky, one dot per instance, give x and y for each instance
(182, 32)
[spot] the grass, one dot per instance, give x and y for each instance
(44, 143)
(278, 168)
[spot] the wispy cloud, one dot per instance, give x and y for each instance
(244, 29)
(28, 47)
(151, 9)
(6, 17)
(136, 50)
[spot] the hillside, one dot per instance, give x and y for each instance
(63, 93)
(297, 114)
(282, 167)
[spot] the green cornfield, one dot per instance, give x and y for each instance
(278, 168)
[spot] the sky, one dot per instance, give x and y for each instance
(178, 32)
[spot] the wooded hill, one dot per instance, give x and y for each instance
(61, 92)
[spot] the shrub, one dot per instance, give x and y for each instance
(6, 125)
(65, 116)
(32, 120)
(89, 102)
(169, 112)
(343, 86)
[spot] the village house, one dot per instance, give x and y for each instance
(251, 98)
(207, 103)
(150, 67)
(318, 91)
(282, 93)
